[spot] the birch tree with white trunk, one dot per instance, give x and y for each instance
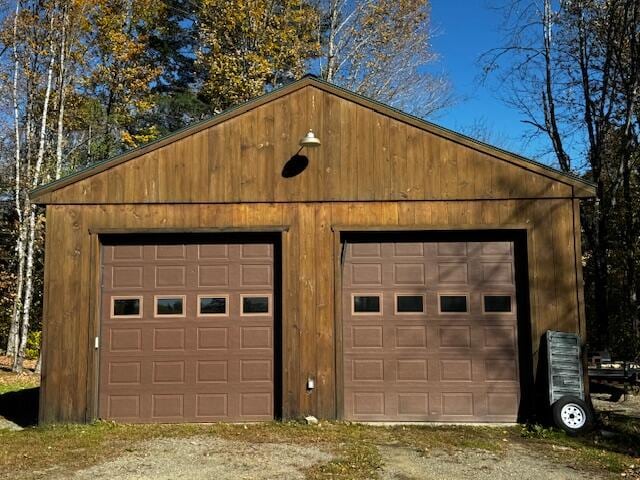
(14, 327)
(36, 34)
(382, 49)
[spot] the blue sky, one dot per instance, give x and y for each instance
(467, 29)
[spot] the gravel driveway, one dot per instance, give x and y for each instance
(207, 458)
(202, 458)
(405, 464)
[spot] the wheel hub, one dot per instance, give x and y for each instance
(573, 416)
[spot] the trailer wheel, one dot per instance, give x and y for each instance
(572, 415)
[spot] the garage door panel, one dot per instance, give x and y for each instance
(127, 277)
(501, 370)
(430, 364)
(170, 252)
(256, 275)
(212, 371)
(499, 404)
(124, 340)
(458, 404)
(258, 405)
(408, 337)
(213, 252)
(211, 407)
(257, 251)
(452, 273)
(500, 337)
(364, 337)
(451, 249)
(412, 370)
(123, 406)
(366, 274)
(497, 272)
(124, 373)
(168, 372)
(409, 274)
(213, 276)
(187, 365)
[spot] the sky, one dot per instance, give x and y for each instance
(465, 30)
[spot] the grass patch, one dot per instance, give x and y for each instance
(66, 448)
(358, 461)
(11, 382)
(62, 449)
(71, 447)
(453, 438)
(612, 447)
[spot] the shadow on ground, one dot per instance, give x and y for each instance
(21, 407)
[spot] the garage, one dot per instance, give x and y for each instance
(187, 331)
(308, 252)
(430, 332)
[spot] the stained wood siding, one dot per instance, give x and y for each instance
(308, 250)
(365, 155)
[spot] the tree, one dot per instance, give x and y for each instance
(120, 80)
(88, 79)
(92, 56)
(33, 46)
(247, 47)
(382, 49)
(574, 72)
(176, 92)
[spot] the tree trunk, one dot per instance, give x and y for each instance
(601, 272)
(30, 212)
(334, 10)
(17, 302)
(14, 330)
(38, 369)
(28, 294)
(61, 97)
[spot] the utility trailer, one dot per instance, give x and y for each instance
(615, 377)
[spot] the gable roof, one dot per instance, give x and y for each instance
(581, 188)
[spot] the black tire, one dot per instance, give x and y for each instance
(572, 415)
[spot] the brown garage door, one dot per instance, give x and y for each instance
(187, 332)
(429, 332)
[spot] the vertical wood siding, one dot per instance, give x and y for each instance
(365, 155)
(308, 256)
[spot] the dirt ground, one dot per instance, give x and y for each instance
(106, 451)
(206, 458)
(405, 464)
(628, 405)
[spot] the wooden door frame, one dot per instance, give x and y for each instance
(339, 231)
(95, 302)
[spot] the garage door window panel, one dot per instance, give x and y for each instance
(366, 304)
(453, 303)
(253, 305)
(213, 305)
(409, 304)
(495, 303)
(126, 307)
(170, 306)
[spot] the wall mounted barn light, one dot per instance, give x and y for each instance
(309, 140)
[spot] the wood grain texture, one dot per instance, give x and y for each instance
(375, 170)
(310, 257)
(365, 155)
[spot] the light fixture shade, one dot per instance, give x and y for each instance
(310, 140)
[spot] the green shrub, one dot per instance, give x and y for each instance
(33, 345)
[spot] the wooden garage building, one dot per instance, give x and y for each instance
(397, 272)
